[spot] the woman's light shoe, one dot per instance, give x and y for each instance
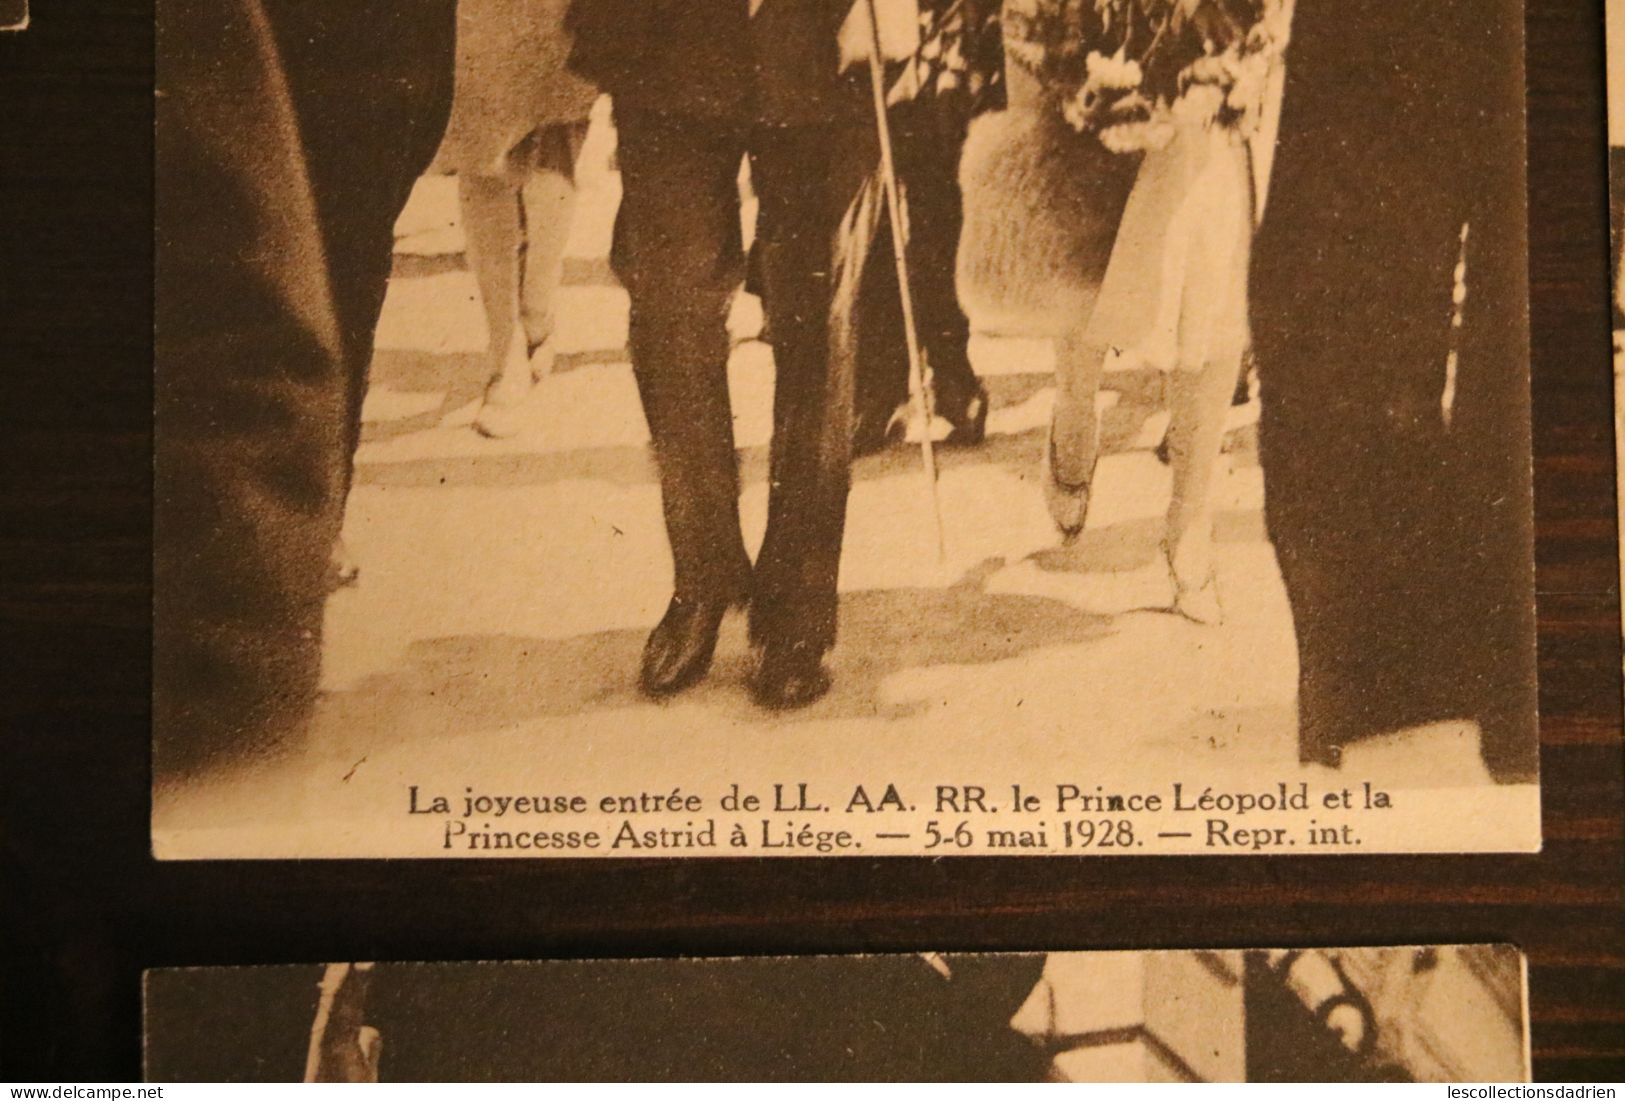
(1068, 502)
(343, 568)
(1197, 601)
(503, 413)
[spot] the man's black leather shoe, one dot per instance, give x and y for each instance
(788, 675)
(680, 647)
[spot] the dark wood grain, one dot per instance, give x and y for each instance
(87, 909)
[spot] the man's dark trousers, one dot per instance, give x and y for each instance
(678, 251)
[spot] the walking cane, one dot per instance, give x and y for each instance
(919, 377)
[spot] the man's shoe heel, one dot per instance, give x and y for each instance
(788, 676)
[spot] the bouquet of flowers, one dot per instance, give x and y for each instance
(959, 52)
(1128, 71)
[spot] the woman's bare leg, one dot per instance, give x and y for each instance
(1074, 438)
(1211, 344)
(1198, 400)
(549, 202)
(495, 235)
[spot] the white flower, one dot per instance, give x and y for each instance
(1112, 72)
(1136, 137)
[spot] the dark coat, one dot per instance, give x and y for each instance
(712, 58)
(288, 137)
(1404, 535)
(249, 355)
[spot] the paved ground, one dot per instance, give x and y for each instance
(507, 586)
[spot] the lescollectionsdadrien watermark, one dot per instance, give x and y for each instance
(1530, 1093)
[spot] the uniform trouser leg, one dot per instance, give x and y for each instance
(809, 181)
(935, 208)
(677, 250)
(928, 141)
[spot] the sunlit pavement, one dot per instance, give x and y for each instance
(507, 586)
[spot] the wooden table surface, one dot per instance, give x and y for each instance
(87, 909)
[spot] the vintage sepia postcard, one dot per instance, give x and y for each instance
(1431, 1014)
(615, 428)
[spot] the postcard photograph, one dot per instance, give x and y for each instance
(626, 428)
(1422, 1014)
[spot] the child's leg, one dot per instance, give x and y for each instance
(549, 202)
(491, 224)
